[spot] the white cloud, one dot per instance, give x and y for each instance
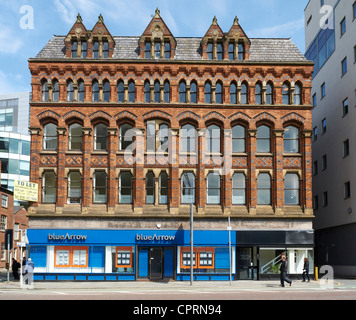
(67, 10)
(282, 30)
(11, 83)
(10, 43)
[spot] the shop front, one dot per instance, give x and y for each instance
(129, 255)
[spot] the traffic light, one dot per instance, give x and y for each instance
(8, 237)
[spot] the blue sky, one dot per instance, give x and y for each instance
(20, 40)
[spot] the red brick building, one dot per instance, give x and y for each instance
(222, 122)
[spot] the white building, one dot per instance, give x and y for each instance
(14, 138)
(331, 42)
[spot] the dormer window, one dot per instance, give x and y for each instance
(219, 51)
(157, 49)
(231, 49)
(105, 49)
(167, 50)
(84, 49)
(241, 53)
(96, 50)
(74, 49)
(210, 51)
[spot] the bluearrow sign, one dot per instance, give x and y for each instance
(155, 237)
(67, 237)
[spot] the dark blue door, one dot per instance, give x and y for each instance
(168, 262)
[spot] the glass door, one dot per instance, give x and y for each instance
(247, 264)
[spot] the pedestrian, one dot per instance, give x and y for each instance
(15, 269)
(283, 270)
(30, 266)
(306, 270)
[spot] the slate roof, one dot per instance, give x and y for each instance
(188, 49)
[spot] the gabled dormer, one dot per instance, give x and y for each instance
(213, 42)
(76, 41)
(237, 44)
(157, 41)
(82, 43)
(102, 41)
(217, 45)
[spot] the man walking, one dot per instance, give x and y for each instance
(283, 269)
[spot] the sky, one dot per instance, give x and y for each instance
(27, 25)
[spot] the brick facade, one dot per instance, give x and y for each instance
(114, 113)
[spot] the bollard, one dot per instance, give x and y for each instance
(316, 276)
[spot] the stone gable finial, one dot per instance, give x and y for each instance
(157, 13)
(101, 19)
(215, 21)
(79, 18)
(236, 21)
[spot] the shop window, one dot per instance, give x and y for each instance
(188, 188)
(123, 257)
(263, 139)
(75, 137)
(185, 258)
(50, 137)
(291, 139)
(74, 187)
(67, 257)
(203, 258)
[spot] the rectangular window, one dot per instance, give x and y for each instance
(323, 126)
(314, 100)
(323, 90)
(354, 10)
(324, 162)
(345, 107)
(315, 134)
(316, 203)
(354, 54)
(343, 26)
(84, 49)
(346, 148)
(315, 168)
(148, 50)
(347, 190)
(325, 198)
(344, 66)
(185, 258)
(4, 200)
(66, 257)
(96, 50)
(105, 49)
(3, 225)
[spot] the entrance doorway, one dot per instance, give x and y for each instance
(156, 263)
(247, 263)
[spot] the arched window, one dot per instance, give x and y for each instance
(120, 91)
(132, 91)
(291, 189)
(286, 93)
(188, 188)
(151, 136)
(163, 135)
(219, 93)
(157, 92)
(75, 137)
(244, 93)
(150, 188)
(106, 88)
(264, 189)
(100, 137)
(55, 93)
(263, 139)
(74, 187)
(49, 187)
(298, 94)
(163, 188)
(233, 93)
(125, 136)
(182, 92)
(238, 139)
(213, 188)
(44, 90)
(269, 94)
(188, 139)
(193, 92)
(239, 188)
(213, 139)
(50, 137)
(70, 91)
(81, 91)
(100, 187)
(147, 91)
(207, 92)
(95, 91)
(291, 139)
(125, 187)
(258, 94)
(167, 92)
